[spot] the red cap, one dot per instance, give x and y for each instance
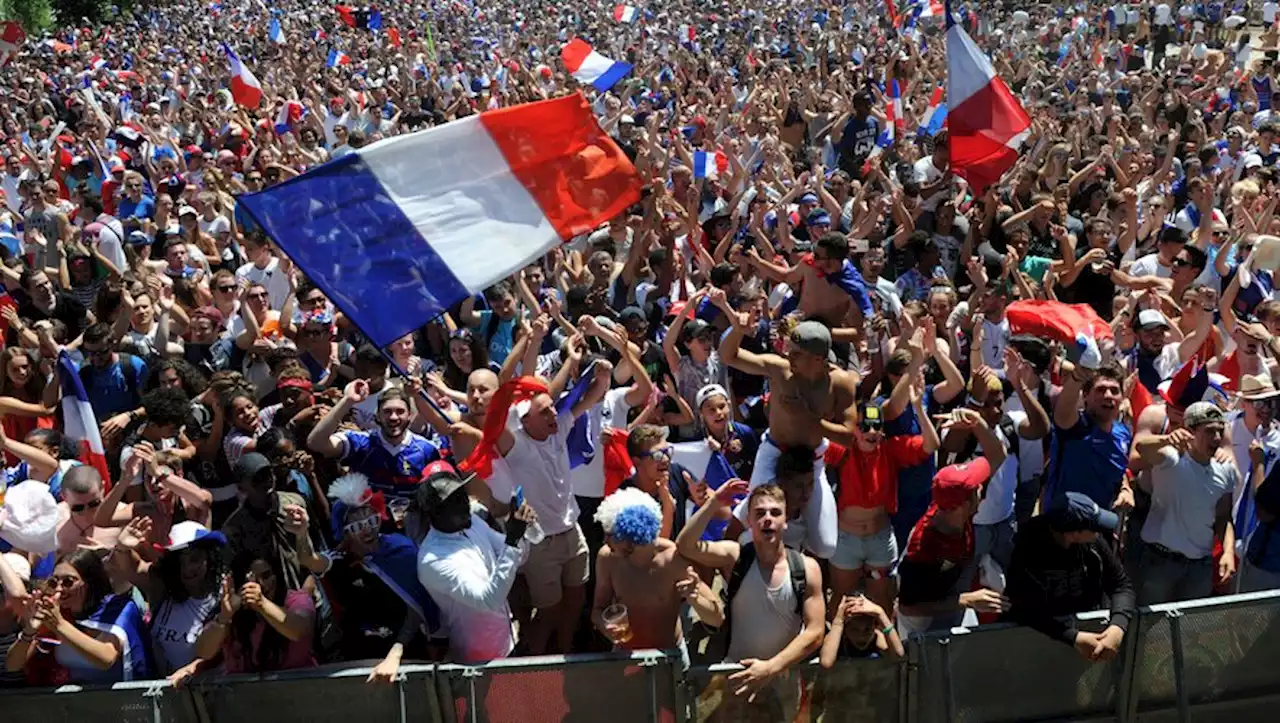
(955, 484)
(699, 121)
(438, 466)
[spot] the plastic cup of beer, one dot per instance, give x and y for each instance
(616, 616)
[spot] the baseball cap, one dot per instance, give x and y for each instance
(809, 197)
(250, 465)
(695, 328)
(1151, 319)
(631, 313)
(139, 238)
(186, 534)
(708, 392)
(812, 337)
(953, 485)
(439, 481)
(1201, 413)
(817, 216)
(1076, 512)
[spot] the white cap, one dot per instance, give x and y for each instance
(1151, 317)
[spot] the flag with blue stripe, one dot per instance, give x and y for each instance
(274, 32)
(712, 467)
(582, 448)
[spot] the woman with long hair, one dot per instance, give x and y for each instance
(467, 352)
(27, 403)
(75, 629)
(261, 625)
(181, 589)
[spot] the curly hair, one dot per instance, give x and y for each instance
(166, 406)
(626, 513)
(192, 380)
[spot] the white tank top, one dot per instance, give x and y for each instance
(765, 619)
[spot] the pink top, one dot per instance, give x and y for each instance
(297, 654)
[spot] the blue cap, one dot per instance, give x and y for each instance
(809, 197)
(138, 238)
(1076, 512)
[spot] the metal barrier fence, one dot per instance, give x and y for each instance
(1203, 660)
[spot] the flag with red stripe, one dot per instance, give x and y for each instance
(79, 422)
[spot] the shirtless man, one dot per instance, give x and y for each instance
(643, 572)
(820, 298)
(811, 400)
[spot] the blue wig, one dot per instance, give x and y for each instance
(637, 525)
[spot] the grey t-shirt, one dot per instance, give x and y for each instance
(1184, 502)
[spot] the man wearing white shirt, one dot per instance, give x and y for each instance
(1170, 242)
(1163, 21)
(1200, 201)
(535, 445)
(468, 568)
(264, 268)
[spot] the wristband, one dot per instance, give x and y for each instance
(888, 629)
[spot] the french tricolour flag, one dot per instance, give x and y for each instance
(97, 63)
(337, 57)
(704, 165)
(290, 114)
(708, 466)
(892, 117)
(394, 235)
(625, 13)
(935, 116)
(588, 66)
(987, 124)
(245, 88)
(81, 425)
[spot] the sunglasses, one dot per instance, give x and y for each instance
(657, 454)
(871, 426)
(259, 295)
(227, 289)
(1180, 262)
(64, 582)
(93, 505)
(368, 524)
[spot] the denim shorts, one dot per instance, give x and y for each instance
(877, 551)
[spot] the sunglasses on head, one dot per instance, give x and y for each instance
(91, 505)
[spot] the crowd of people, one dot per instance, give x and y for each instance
(778, 409)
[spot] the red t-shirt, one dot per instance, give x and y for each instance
(870, 479)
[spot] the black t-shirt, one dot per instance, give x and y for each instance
(369, 613)
(66, 309)
(1093, 288)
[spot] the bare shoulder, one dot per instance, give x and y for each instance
(812, 575)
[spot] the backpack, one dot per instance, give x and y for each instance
(747, 558)
(127, 369)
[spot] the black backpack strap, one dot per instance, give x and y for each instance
(492, 327)
(799, 582)
(1010, 429)
(746, 558)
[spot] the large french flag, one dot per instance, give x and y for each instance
(588, 66)
(394, 234)
(80, 424)
(245, 88)
(986, 123)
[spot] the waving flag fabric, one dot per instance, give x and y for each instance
(935, 116)
(290, 114)
(245, 88)
(81, 426)
(274, 32)
(1077, 326)
(395, 235)
(708, 466)
(588, 66)
(337, 57)
(987, 124)
(581, 447)
(625, 13)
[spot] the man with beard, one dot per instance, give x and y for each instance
(1154, 360)
(811, 400)
(468, 568)
(391, 456)
(643, 572)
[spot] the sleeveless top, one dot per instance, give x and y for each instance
(764, 618)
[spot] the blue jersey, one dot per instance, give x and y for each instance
(394, 470)
(1088, 460)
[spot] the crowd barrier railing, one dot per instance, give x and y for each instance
(1209, 659)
